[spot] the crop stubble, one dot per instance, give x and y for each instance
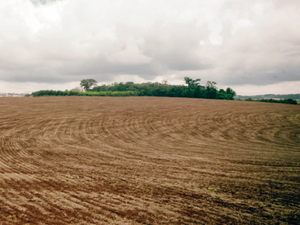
(144, 160)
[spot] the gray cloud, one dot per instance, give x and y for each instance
(230, 41)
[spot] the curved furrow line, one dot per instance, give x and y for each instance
(47, 137)
(78, 135)
(223, 118)
(93, 135)
(112, 205)
(39, 202)
(116, 133)
(23, 154)
(10, 155)
(268, 135)
(71, 133)
(148, 125)
(133, 125)
(93, 209)
(80, 201)
(84, 129)
(88, 139)
(92, 130)
(144, 202)
(147, 160)
(241, 134)
(104, 127)
(294, 119)
(58, 133)
(9, 208)
(175, 127)
(62, 134)
(178, 122)
(173, 135)
(288, 136)
(176, 133)
(274, 135)
(82, 151)
(46, 134)
(295, 135)
(132, 129)
(120, 135)
(4, 168)
(26, 198)
(140, 129)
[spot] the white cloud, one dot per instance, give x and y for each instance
(22, 87)
(230, 41)
(279, 88)
(131, 55)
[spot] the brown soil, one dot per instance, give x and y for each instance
(143, 160)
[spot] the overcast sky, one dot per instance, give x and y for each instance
(252, 46)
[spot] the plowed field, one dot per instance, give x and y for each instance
(143, 160)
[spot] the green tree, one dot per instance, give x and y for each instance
(88, 83)
(211, 84)
(229, 91)
(192, 83)
(211, 90)
(222, 94)
(230, 94)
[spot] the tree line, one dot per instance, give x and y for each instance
(78, 93)
(192, 89)
(285, 101)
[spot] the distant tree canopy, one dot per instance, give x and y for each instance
(192, 89)
(285, 101)
(88, 83)
(88, 93)
(192, 83)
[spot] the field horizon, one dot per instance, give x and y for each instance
(148, 160)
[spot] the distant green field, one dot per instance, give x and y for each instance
(298, 101)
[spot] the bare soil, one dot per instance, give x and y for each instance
(144, 160)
